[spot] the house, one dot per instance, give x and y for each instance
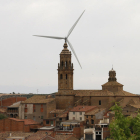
(97, 133)
(13, 111)
(51, 120)
(93, 117)
(78, 112)
(37, 108)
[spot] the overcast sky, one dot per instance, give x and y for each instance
(108, 33)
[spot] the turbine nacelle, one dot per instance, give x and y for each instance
(66, 38)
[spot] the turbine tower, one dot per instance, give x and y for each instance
(66, 38)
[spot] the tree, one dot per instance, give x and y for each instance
(2, 116)
(124, 128)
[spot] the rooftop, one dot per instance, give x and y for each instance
(38, 99)
(26, 121)
(65, 137)
(17, 104)
(93, 112)
(57, 111)
(80, 108)
(102, 93)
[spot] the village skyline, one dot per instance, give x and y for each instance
(107, 34)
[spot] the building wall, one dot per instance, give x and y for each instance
(44, 122)
(12, 125)
(50, 106)
(76, 115)
(63, 102)
(10, 101)
(28, 113)
(106, 132)
(34, 115)
(128, 110)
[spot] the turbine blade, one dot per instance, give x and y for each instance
(53, 37)
(74, 52)
(74, 24)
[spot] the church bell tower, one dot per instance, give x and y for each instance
(65, 71)
(65, 97)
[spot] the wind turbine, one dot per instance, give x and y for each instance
(66, 38)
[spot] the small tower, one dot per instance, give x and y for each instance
(112, 75)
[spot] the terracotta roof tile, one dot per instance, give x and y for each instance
(93, 112)
(37, 136)
(57, 111)
(93, 93)
(17, 104)
(82, 108)
(64, 137)
(38, 99)
(102, 93)
(112, 83)
(135, 106)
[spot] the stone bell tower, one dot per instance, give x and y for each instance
(65, 96)
(65, 70)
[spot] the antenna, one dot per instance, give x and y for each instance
(66, 38)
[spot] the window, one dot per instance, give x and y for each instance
(66, 64)
(99, 102)
(41, 117)
(25, 109)
(41, 106)
(73, 118)
(66, 76)
(60, 119)
(61, 76)
(41, 109)
(99, 132)
(96, 132)
(34, 108)
(80, 118)
(25, 117)
(73, 113)
(51, 123)
(34, 118)
(26, 105)
(91, 116)
(47, 122)
(54, 115)
(92, 121)
(87, 121)
(80, 113)
(87, 116)
(62, 63)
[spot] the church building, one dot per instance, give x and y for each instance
(111, 92)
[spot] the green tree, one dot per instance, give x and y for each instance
(124, 128)
(2, 116)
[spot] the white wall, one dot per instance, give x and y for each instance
(29, 110)
(77, 116)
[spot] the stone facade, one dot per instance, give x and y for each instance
(111, 92)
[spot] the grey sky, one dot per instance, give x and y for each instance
(108, 33)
